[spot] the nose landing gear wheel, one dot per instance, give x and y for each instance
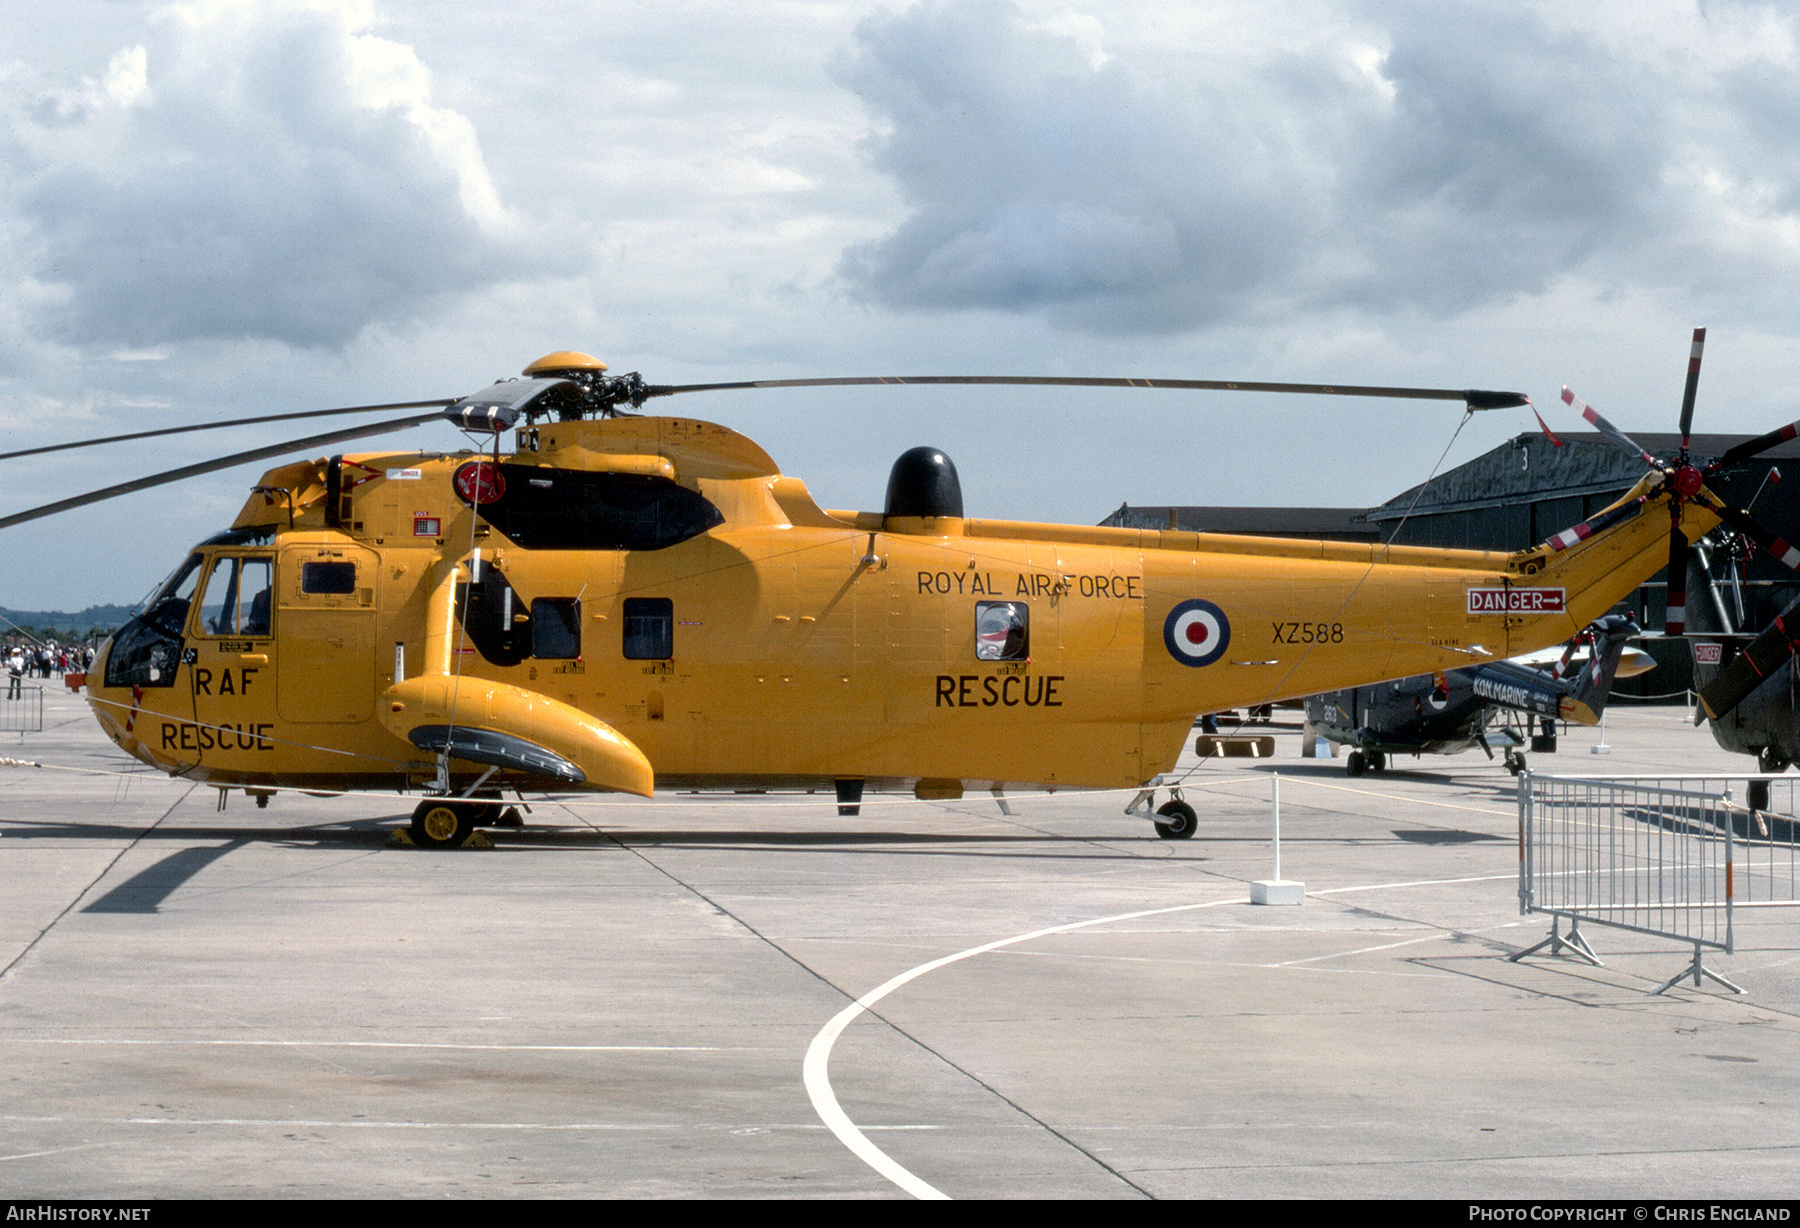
(1181, 821)
(438, 824)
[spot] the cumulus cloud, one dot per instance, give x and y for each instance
(1042, 174)
(1413, 157)
(270, 171)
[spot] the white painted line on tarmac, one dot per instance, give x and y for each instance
(1435, 936)
(325, 1123)
(383, 1044)
(818, 1054)
(1511, 875)
(54, 1151)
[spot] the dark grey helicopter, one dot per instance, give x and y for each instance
(1746, 679)
(1479, 705)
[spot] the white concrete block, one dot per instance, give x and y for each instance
(1277, 891)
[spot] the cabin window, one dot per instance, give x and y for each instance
(649, 628)
(237, 597)
(505, 628)
(556, 628)
(495, 617)
(1002, 631)
(331, 579)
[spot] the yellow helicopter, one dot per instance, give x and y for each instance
(625, 601)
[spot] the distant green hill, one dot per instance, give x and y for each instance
(104, 618)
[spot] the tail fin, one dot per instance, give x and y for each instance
(1590, 688)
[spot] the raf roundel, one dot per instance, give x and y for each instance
(1197, 632)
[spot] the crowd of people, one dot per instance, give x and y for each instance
(41, 660)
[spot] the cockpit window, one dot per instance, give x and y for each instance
(167, 607)
(146, 651)
(237, 597)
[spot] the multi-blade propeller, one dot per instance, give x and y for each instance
(1686, 482)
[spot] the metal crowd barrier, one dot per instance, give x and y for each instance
(24, 713)
(1670, 856)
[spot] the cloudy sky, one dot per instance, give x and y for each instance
(219, 208)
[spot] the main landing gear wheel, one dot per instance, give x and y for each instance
(1181, 821)
(438, 824)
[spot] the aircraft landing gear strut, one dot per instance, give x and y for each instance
(1174, 819)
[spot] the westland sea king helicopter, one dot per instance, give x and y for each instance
(1749, 690)
(626, 601)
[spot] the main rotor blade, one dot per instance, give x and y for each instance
(222, 462)
(1475, 398)
(1693, 384)
(1606, 428)
(214, 426)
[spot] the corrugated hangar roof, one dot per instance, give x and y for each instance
(1329, 523)
(1525, 469)
(1529, 466)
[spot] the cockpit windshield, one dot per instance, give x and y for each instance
(146, 651)
(166, 608)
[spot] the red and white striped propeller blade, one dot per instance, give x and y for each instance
(1606, 428)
